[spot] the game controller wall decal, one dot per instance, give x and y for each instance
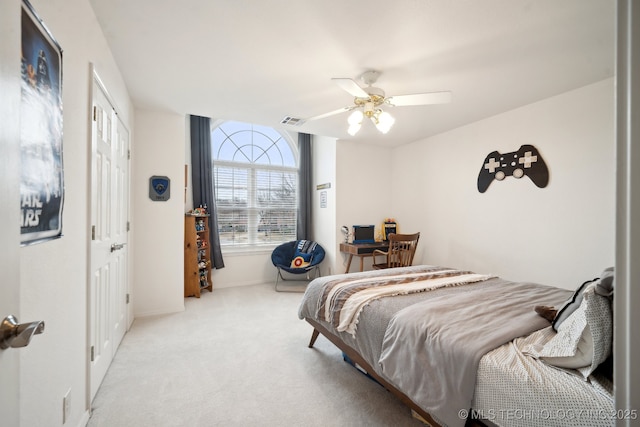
(526, 161)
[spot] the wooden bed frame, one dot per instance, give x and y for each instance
(355, 357)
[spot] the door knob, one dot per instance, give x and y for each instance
(15, 335)
(117, 246)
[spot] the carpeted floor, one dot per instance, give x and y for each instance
(237, 357)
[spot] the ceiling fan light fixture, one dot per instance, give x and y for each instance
(369, 109)
(384, 122)
(381, 119)
(354, 128)
(368, 100)
(355, 118)
(355, 122)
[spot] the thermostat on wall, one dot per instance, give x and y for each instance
(159, 188)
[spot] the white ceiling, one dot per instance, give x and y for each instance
(259, 61)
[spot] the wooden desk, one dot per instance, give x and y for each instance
(361, 250)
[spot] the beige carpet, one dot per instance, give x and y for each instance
(237, 357)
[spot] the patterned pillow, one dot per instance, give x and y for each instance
(303, 254)
(604, 286)
(570, 305)
(584, 339)
(301, 261)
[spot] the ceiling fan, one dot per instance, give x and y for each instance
(369, 100)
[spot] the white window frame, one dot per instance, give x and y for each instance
(254, 244)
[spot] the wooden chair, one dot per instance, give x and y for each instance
(402, 248)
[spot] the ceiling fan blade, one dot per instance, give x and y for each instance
(420, 99)
(332, 113)
(351, 87)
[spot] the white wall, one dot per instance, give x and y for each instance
(54, 274)
(242, 269)
(325, 230)
(158, 227)
(561, 235)
(364, 192)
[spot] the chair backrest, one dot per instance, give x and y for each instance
(402, 248)
(283, 253)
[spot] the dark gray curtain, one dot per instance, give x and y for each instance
(202, 180)
(305, 190)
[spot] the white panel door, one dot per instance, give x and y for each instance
(109, 212)
(9, 203)
(120, 208)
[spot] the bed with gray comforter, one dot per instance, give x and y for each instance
(423, 330)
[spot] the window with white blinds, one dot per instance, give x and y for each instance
(256, 185)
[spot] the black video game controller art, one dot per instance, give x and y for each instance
(526, 161)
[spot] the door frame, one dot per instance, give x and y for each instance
(626, 317)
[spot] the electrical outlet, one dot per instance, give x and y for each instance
(66, 406)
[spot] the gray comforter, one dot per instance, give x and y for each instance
(375, 320)
(431, 350)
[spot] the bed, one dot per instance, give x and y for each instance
(456, 345)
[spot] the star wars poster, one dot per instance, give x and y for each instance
(41, 184)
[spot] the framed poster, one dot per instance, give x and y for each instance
(41, 183)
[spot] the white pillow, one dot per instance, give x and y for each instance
(603, 286)
(576, 347)
(584, 339)
(571, 305)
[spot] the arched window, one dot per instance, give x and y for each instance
(256, 183)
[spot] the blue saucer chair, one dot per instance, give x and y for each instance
(297, 257)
